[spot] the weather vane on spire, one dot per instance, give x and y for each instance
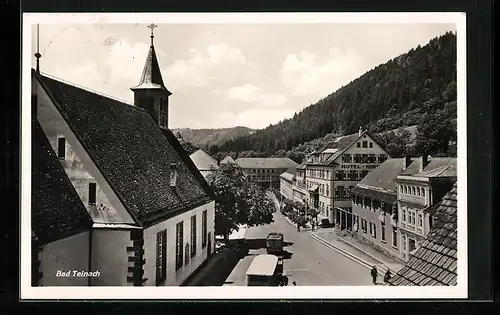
(152, 26)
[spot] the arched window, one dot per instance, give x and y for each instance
(413, 190)
(163, 121)
(405, 189)
(418, 191)
(423, 192)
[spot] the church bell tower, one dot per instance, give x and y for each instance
(151, 94)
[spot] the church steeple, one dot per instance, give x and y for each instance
(151, 93)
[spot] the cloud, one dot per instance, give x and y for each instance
(125, 61)
(249, 93)
(217, 64)
(307, 74)
(253, 118)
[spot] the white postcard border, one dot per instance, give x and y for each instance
(227, 293)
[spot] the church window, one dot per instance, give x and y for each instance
(92, 193)
(179, 240)
(61, 148)
(163, 121)
(161, 257)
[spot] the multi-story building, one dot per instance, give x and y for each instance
(299, 184)
(337, 167)
(435, 262)
(265, 172)
(115, 194)
(374, 207)
(420, 187)
(204, 162)
(286, 183)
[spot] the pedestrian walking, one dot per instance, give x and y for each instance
(298, 226)
(354, 229)
(374, 274)
(387, 276)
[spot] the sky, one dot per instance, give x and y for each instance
(226, 75)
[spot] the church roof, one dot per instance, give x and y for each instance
(435, 262)
(57, 211)
(131, 152)
(151, 75)
(203, 160)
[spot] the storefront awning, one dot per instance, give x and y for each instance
(313, 188)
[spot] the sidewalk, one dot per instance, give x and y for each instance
(357, 251)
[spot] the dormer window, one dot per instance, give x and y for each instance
(61, 148)
(173, 175)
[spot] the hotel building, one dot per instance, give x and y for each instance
(337, 167)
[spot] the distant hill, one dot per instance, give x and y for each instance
(204, 138)
(416, 88)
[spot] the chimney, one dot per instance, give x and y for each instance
(407, 161)
(173, 175)
(360, 132)
(424, 162)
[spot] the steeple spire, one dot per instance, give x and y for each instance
(151, 93)
(152, 26)
(38, 55)
(151, 75)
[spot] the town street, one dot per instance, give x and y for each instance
(311, 263)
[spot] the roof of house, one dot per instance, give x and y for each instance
(292, 170)
(381, 180)
(228, 159)
(203, 161)
(435, 262)
(287, 176)
(265, 163)
(437, 167)
(151, 75)
(132, 152)
(57, 211)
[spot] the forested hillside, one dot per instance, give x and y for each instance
(204, 138)
(416, 88)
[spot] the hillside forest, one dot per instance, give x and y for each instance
(409, 104)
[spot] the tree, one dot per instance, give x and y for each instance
(434, 134)
(259, 208)
(236, 203)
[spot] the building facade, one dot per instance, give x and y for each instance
(435, 262)
(264, 172)
(334, 169)
(374, 207)
(286, 183)
(420, 187)
(299, 184)
(145, 213)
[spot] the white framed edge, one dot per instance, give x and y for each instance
(28, 292)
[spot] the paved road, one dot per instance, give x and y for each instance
(311, 263)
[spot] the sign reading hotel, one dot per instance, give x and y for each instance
(358, 166)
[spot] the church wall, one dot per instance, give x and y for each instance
(110, 256)
(66, 255)
(176, 277)
(78, 165)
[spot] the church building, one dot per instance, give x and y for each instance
(116, 200)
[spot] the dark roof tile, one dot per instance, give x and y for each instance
(437, 259)
(57, 211)
(132, 152)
